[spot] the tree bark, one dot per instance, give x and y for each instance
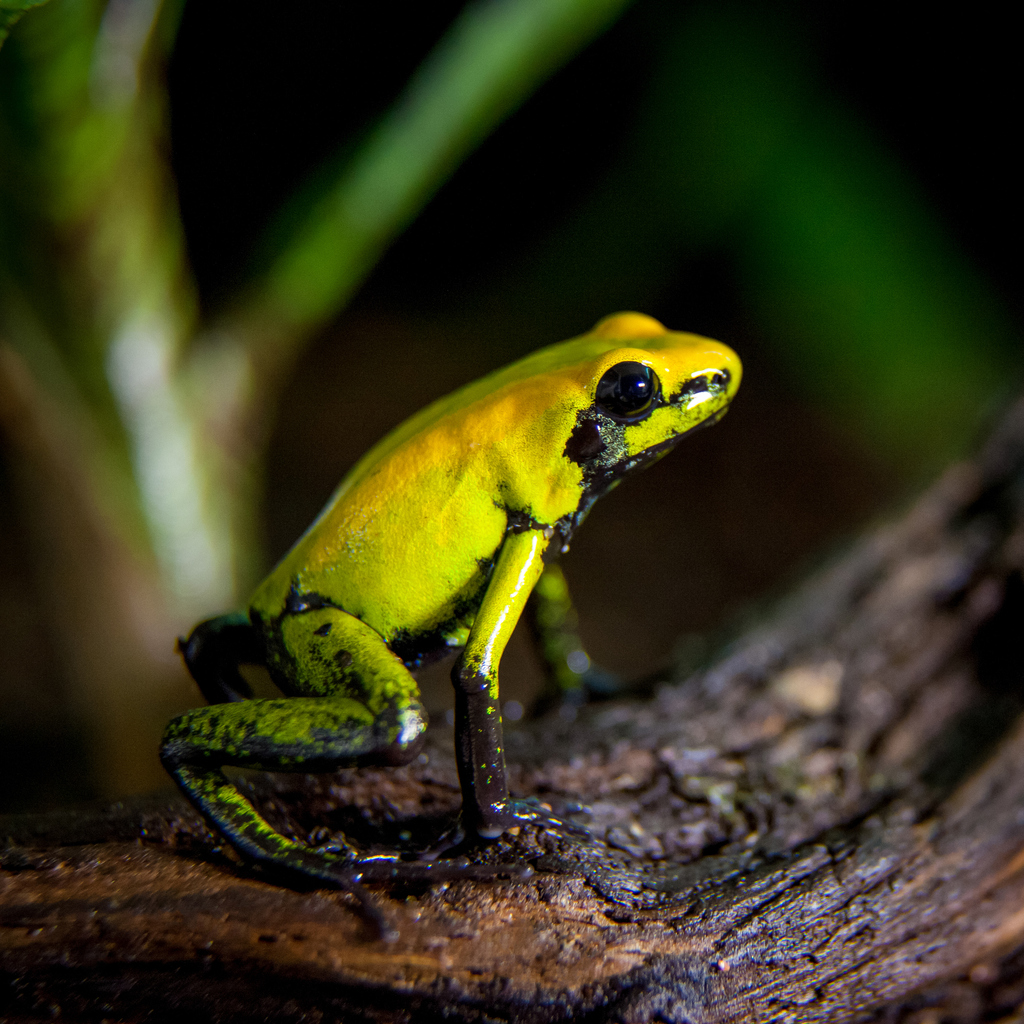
(825, 824)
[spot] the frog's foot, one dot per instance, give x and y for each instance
(297, 863)
(531, 811)
(352, 875)
(214, 650)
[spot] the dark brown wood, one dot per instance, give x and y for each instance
(826, 824)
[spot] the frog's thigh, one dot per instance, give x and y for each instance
(360, 703)
(332, 652)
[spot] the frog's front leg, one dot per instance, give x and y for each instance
(478, 740)
(363, 709)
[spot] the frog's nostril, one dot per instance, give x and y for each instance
(694, 386)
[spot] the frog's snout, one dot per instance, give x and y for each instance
(703, 387)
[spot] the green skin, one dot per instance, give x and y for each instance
(342, 657)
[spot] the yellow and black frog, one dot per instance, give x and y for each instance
(432, 542)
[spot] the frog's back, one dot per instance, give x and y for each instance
(408, 540)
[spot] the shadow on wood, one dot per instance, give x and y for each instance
(825, 825)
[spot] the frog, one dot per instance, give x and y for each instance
(431, 544)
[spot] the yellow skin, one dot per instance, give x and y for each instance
(433, 541)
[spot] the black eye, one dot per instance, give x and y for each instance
(627, 391)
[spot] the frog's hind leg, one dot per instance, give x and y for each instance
(363, 708)
(284, 734)
(214, 650)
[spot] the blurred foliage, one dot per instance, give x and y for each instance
(493, 56)
(11, 11)
(86, 167)
(697, 162)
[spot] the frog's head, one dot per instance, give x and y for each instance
(640, 390)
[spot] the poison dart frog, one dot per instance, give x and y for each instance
(432, 542)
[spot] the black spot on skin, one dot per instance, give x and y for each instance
(597, 446)
(342, 659)
(694, 386)
(585, 442)
(521, 522)
(323, 630)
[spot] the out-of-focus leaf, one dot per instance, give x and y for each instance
(106, 302)
(874, 310)
(11, 11)
(493, 56)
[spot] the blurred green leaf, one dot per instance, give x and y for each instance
(873, 309)
(11, 11)
(492, 58)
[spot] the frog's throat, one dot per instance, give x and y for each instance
(604, 459)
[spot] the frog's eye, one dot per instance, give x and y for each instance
(627, 391)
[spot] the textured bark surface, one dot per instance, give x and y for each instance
(826, 824)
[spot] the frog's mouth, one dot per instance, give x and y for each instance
(625, 466)
(709, 421)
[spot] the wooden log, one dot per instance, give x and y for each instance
(825, 824)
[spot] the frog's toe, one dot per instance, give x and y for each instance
(532, 811)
